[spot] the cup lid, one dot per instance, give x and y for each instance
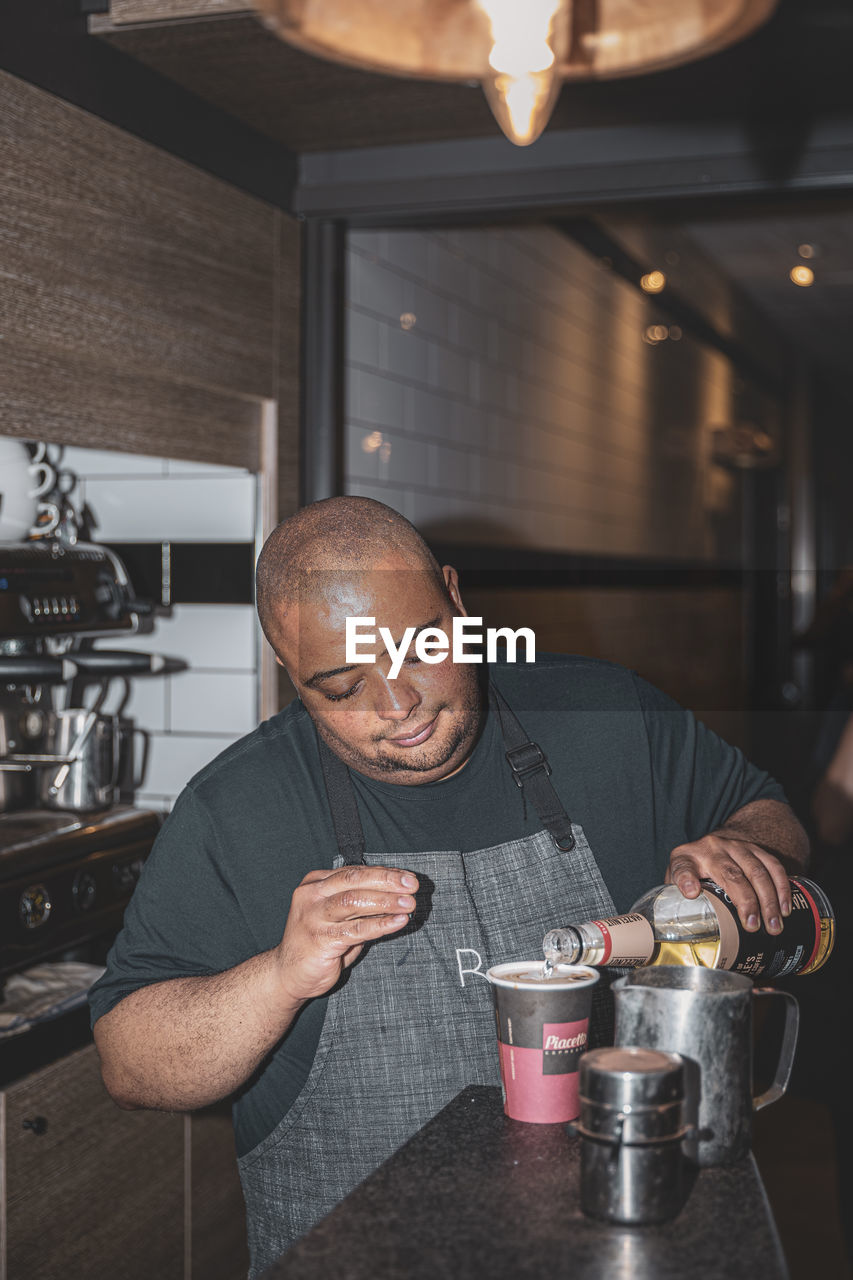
(574, 976)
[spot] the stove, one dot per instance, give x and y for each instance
(66, 878)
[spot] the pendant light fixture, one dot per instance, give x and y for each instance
(520, 51)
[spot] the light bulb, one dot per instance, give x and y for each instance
(802, 275)
(525, 84)
(522, 104)
(653, 282)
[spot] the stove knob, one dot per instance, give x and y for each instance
(84, 890)
(34, 906)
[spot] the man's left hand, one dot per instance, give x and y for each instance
(754, 879)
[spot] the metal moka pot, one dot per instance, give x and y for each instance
(705, 1015)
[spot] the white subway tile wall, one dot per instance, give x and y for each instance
(189, 717)
(215, 702)
(499, 389)
(174, 759)
(207, 631)
(148, 701)
(181, 508)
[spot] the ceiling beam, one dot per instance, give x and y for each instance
(488, 177)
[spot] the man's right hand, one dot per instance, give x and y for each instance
(332, 915)
(187, 1042)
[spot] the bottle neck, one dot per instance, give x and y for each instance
(624, 941)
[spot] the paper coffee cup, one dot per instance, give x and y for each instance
(542, 1032)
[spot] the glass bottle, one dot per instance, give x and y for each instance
(664, 927)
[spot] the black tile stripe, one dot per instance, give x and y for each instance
(201, 572)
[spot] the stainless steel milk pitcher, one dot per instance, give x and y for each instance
(86, 746)
(706, 1016)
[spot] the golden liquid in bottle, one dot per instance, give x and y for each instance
(824, 946)
(685, 952)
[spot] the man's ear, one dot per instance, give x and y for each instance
(290, 678)
(451, 581)
(284, 668)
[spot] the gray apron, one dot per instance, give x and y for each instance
(412, 1022)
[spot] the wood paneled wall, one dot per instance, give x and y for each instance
(145, 305)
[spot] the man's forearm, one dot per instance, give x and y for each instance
(774, 826)
(185, 1043)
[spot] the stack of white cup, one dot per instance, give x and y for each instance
(24, 480)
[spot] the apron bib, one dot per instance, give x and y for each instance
(412, 1022)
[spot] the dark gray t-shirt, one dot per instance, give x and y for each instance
(637, 771)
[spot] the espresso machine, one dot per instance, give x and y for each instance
(71, 847)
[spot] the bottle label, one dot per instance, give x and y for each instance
(773, 955)
(727, 922)
(628, 940)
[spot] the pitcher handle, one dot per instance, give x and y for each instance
(106, 792)
(786, 1053)
(143, 762)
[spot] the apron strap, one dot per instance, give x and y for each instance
(531, 770)
(343, 806)
(528, 762)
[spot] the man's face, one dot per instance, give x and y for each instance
(416, 728)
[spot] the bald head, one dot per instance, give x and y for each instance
(335, 534)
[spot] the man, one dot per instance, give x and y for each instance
(236, 969)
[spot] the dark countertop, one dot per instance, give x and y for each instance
(475, 1194)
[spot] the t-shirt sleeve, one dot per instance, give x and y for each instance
(699, 779)
(183, 919)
